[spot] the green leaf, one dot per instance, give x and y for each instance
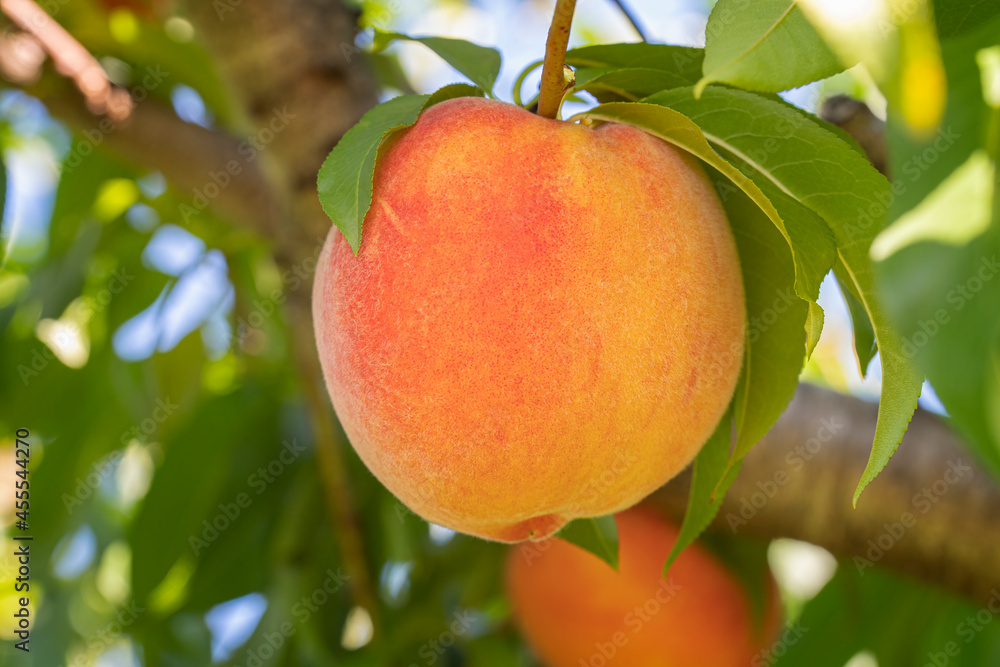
(864, 335)
(918, 165)
(598, 535)
(776, 335)
(760, 139)
(712, 476)
(954, 17)
(683, 61)
(899, 620)
(679, 130)
(629, 84)
(186, 486)
(345, 179)
(950, 317)
(745, 558)
(479, 63)
(814, 327)
(768, 45)
(3, 193)
(804, 168)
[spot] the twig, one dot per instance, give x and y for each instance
(631, 19)
(554, 79)
(71, 59)
(333, 472)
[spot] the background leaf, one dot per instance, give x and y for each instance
(954, 17)
(481, 64)
(683, 61)
(918, 164)
(630, 83)
(950, 318)
(900, 621)
(598, 535)
(711, 478)
(189, 485)
(766, 45)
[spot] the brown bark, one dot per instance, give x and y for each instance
(294, 68)
(932, 513)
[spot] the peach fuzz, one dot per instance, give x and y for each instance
(575, 610)
(544, 320)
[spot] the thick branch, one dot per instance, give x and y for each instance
(187, 155)
(296, 60)
(932, 513)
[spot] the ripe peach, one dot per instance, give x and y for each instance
(576, 611)
(544, 320)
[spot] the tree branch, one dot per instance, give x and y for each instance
(631, 19)
(932, 513)
(297, 59)
(153, 136)
(71, 59)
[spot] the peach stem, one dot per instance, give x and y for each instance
(553, 86)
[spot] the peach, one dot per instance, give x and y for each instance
(544, 320)
(576, 611)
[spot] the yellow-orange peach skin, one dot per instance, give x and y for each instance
(544, 321)
(578, 612)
